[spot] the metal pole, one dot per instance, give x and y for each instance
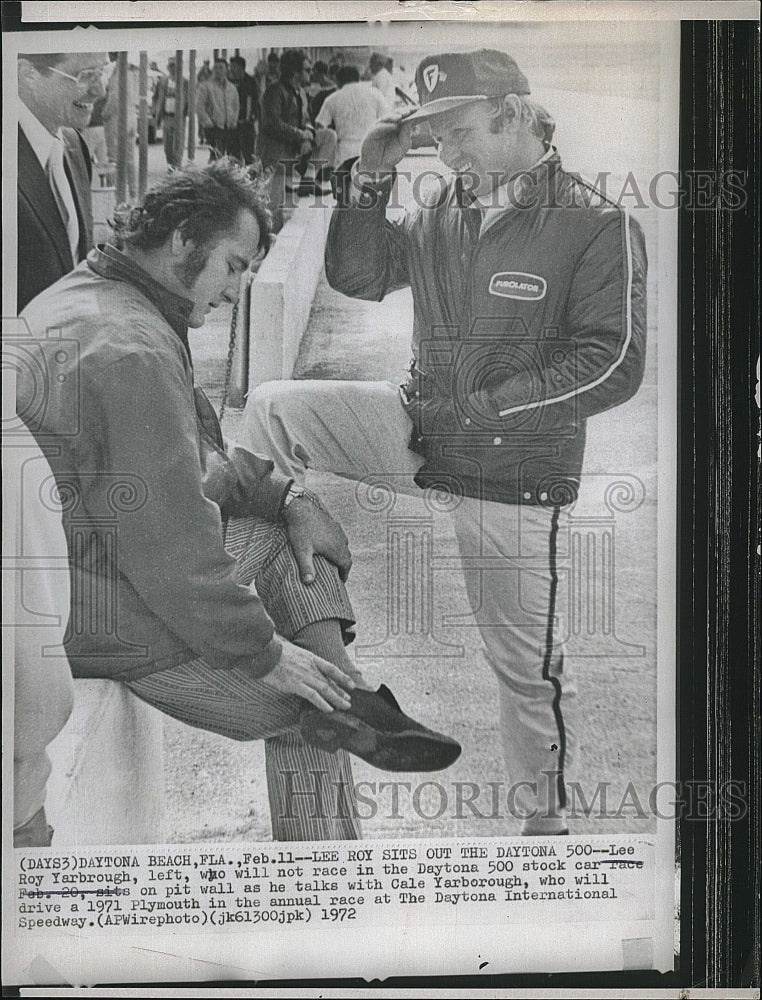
(121, 154)
(143, 127)
(192, 104)
(179, 117)
(239, 375)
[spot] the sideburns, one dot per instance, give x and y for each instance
(188, 270)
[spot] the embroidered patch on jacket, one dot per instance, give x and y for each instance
(518, 285)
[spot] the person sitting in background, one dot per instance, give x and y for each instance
(289, 143)
(218, 110)
(226, 581)
(351, 111)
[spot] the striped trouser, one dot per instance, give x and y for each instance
(311, 791)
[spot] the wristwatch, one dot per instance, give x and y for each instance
(294, 492)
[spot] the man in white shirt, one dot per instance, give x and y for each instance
(57, 92)
(351, 111)
(381, 78)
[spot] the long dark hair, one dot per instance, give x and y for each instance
(204, 203)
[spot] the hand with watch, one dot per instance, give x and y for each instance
(312, 531)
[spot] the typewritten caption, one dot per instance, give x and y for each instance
(236, 886)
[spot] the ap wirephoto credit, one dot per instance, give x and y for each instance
(340, 497)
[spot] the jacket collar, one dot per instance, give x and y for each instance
(526, 189)
(109, 262)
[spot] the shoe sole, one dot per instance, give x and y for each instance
(400, 751)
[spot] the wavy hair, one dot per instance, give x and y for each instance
(203, 203)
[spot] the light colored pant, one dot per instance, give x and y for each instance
(43, 686)
(508, 553)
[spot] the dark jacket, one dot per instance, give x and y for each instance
(520, 332)
(44, 254)
(284, 115)
(139, 459)
(164, 89)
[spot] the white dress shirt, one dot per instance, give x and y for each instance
(353, 111)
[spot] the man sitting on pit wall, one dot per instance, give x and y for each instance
(220, 597)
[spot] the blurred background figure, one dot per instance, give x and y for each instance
(111, 122)
(204, 73)
(248, 110)
(381, 77)
(202, 76)
(320, 87)
(170, 109)
(273, 68)
(218, 110)
(95, 133)
(289, 142)
(351, 111)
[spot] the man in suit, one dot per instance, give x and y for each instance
(55, 223)
(55, 231)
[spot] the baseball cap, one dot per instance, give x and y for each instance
(452, 79)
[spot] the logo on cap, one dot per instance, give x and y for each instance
(432, 76)
(518, 285)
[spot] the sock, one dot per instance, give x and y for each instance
(324, 639)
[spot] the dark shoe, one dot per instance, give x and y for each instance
(378, 731)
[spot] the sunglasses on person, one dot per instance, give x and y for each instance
(86, 77)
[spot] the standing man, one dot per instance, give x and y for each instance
(529, 292)
(381, 79)
(170, 109)
(248, 109)
(111, 123)
(55, 218)
(351, 111)
(321, 86)
(218, 110)
(57, 93)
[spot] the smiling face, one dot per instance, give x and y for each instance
(57, 101)
(220, 277)
(467, 144)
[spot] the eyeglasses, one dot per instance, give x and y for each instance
(86, 77)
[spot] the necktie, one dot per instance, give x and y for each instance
(61, 188)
